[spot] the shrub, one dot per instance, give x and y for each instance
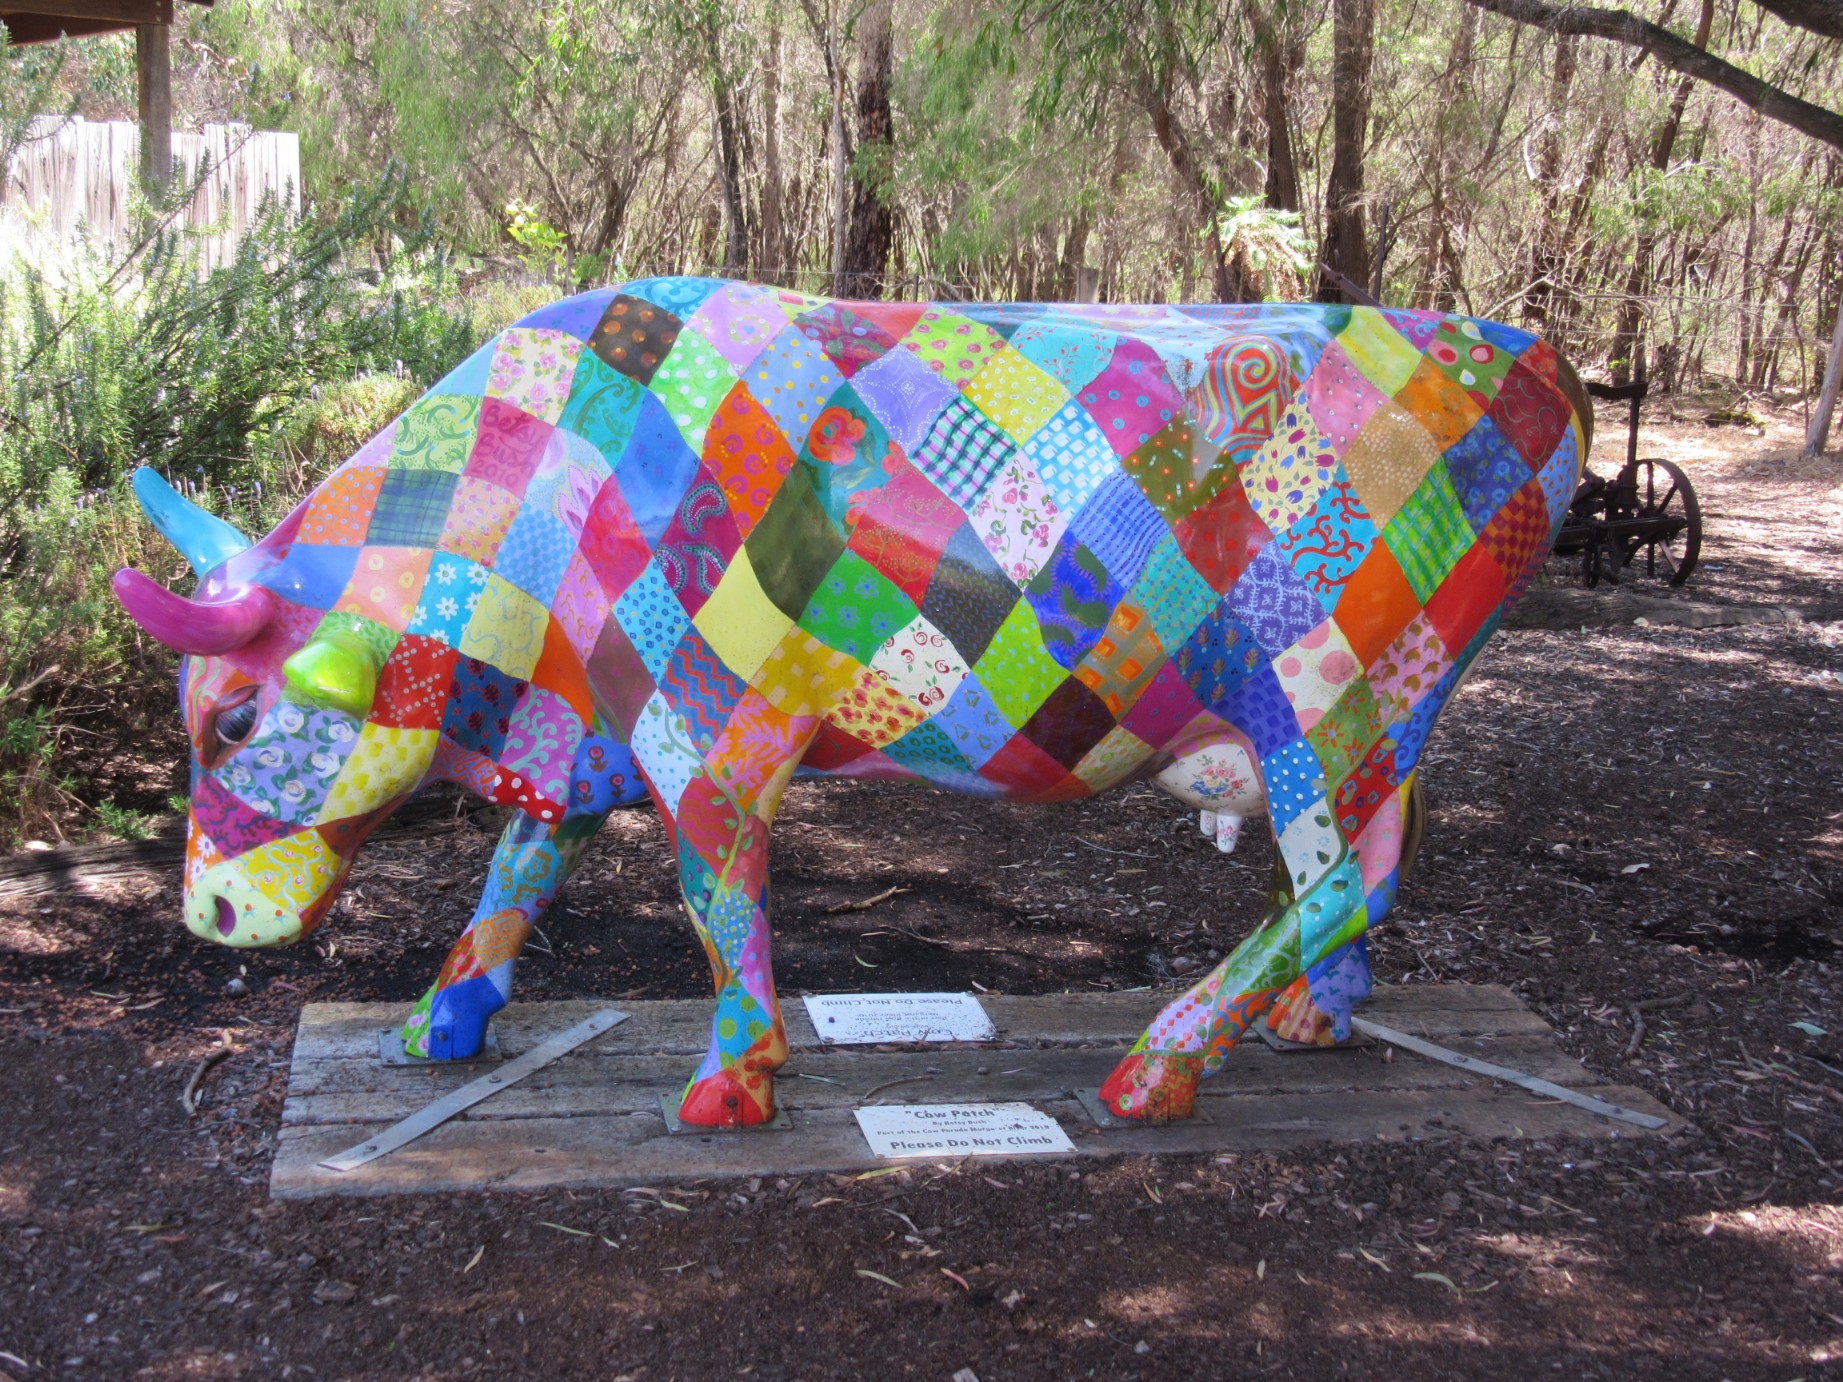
(244, 383)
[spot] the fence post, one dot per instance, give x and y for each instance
(1819, 432)
(154, 80)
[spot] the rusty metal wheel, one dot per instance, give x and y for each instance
(1668, 500)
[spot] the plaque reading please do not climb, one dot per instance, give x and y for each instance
(949, 1130)
(868, 1019)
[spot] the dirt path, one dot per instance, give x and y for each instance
(1620, 815)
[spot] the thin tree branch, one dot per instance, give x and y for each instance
(1680, 55)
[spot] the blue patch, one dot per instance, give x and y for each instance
(974, 723)
(655, 470)
(1275, 602)
(679, 295)
(603, 777)
(481, 699)
(1260, 710)
(1074, 597)
(1120, 526)
(312, 575)
(1294, 781)
(578, 315)
(468, 379)
(1485, 470)
(535, 554)
(1217, 660)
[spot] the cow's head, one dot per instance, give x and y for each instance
(289, 774)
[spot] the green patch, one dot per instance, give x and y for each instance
(378, 638)
(692, 383)
(856, 609)
(1173, 594)
(1429, 534)
(1017, 669)
(602, 407)
(1342, 739)
(437, 434)
(794, 545)
(1175, 473)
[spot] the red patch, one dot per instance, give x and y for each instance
(1532, 412)
(1222, 537)
(1466, 598)
(413, 685)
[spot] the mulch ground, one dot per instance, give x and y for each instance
(1620, 816)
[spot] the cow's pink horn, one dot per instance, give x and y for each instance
(202, 627)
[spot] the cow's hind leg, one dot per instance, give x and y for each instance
(530, 864)
(1320, 908)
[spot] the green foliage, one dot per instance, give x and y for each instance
(243, 382)
(1271, 247)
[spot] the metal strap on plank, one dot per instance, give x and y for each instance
(434, 1115)
(1498, 1072)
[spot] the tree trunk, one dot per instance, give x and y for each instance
(1818, 434)
(1282, 57)
(773, 256)
(1171, 138)
(1346, 247)
(729, 159)
(1441, 257)
(1630, 320)
(154, 86)
(840, 155)
(872, 224)
(1548, 252)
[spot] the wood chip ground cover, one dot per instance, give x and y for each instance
(137, 1241)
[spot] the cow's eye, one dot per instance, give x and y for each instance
(236, 723)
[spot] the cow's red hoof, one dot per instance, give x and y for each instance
(729, 1099)
(1154, 1086)
(1297, 1018)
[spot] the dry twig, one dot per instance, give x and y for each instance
(867, 903)
(1638, 1011)
(188, 1100)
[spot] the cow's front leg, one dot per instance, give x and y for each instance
(723, 870)
(530, 864)
(1318, 908)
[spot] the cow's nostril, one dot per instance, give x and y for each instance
(227, 917)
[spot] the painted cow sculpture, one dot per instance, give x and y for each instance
(684, 537)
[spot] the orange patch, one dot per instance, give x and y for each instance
(1376, 605)
(1466, 598)
(1438, 404)
(560, 671)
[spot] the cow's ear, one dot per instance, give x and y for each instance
(336, 670)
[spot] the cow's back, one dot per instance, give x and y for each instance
(1015, 550)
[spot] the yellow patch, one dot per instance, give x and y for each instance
(874, 711)
(739, 621)
(1383, 354)
(293, 870)
(1388, 460)
(507, 629)
(803, 677)
(386, 764)
(533, 368)
(1016, 394)
(1112, 759)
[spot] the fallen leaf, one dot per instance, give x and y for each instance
(1369, 1256)
(1810, 1029)
(1440, 1277)
(667, 1204)
(880, 1171)
(866, 963)
(962, 1282)
(1260, 1270)
(878, 1276)
(330, 1292)
(579, 1232)
(1634, 868)
(474, 1261)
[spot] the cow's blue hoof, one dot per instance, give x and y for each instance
(458, 1018)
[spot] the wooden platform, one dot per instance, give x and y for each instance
(593, 1118)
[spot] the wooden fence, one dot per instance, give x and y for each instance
(81, 174)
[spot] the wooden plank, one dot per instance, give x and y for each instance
(333, 1031)
(114, 11)
(633, 1149)
(351, 1092)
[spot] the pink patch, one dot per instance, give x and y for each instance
(1316, 638)
(1131, 400)
(1289, 667)
(1340, 397)
(1483, 354)
(1338, 668)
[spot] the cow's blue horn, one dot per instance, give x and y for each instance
(203, 539)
